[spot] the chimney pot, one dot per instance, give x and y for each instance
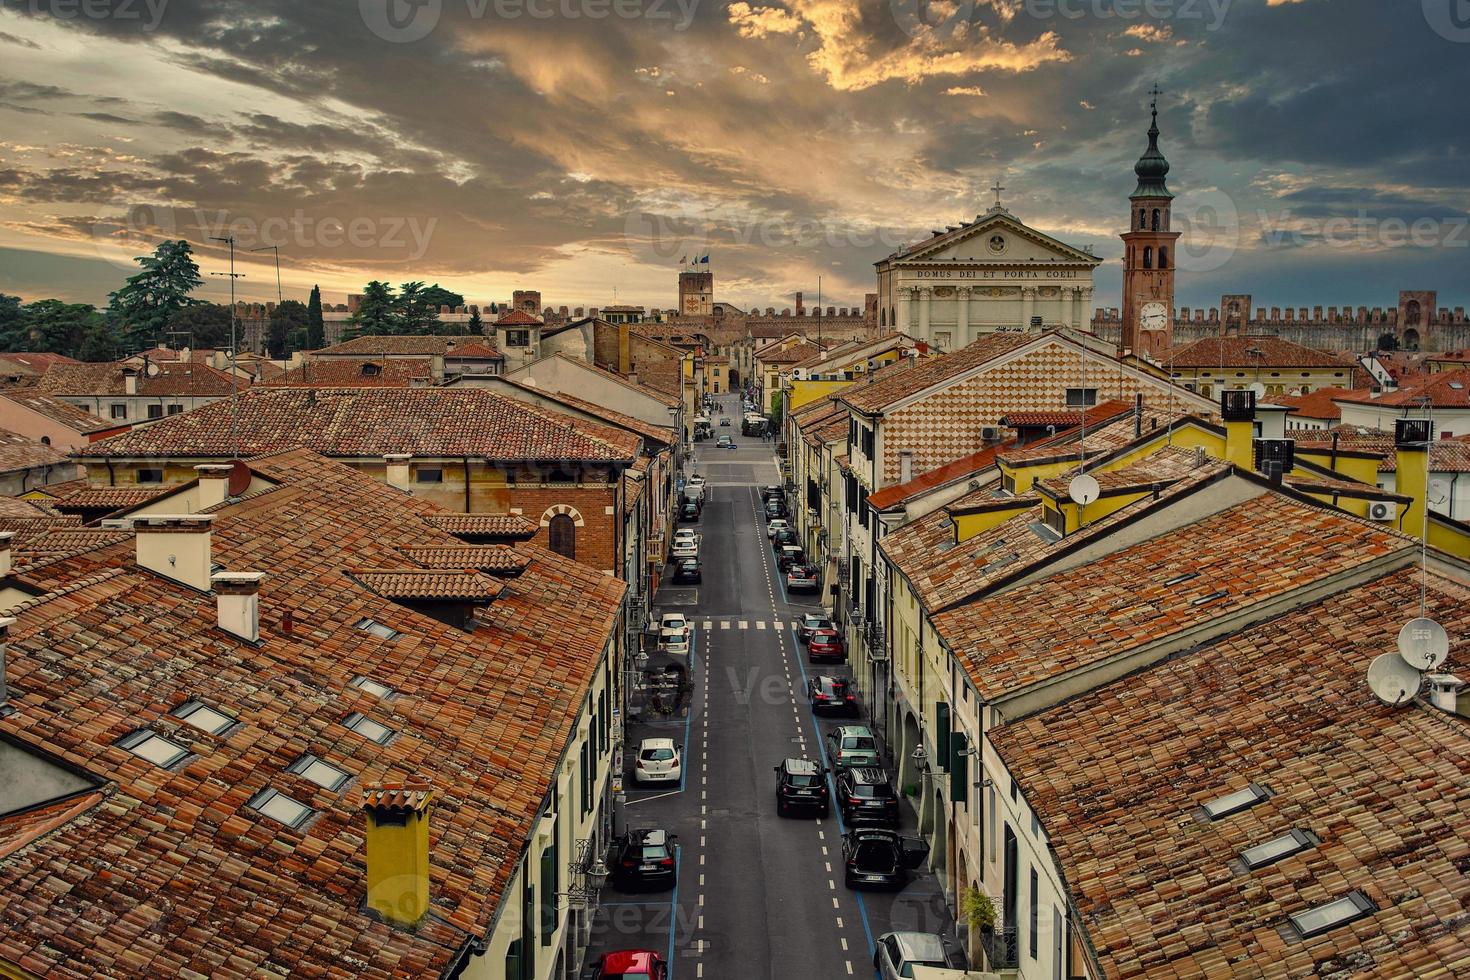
(237, 602)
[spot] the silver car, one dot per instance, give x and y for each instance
(899, 952)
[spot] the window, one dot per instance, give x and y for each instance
(1242, 799)
(175, 409)
(119, 410)
(147, 744)
(869, 440)
(155, 411)
(1163, 256)
(518, 338)
(426, 475)
(367, 728)
(562, 536)
(324, 774)
(1314, 921)
(1148, 256)
(371, 686)
(1277, 848)
(150, 476)
(280, 807)
(203, 717)
(378, 629)
(1156, 219)
(1035, 924)
(1079, 398)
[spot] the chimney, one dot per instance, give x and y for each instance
(1137, 415)
(905, 465)
(238, 601)
(176, 546)
(1444, 692)
(130, 381)
(398, 470)
(398, 850)
(214, 484)
(5, 561)
(1238, 409)
(1411, 441)
(5, 623)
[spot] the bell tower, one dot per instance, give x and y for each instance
(1149, 253)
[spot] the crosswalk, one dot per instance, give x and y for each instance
(731, 623)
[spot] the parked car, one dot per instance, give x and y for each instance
(725, 442)
(831, 694)
(695, 483)
(724, 423)
(671, 626)
(877, 858)
(684, 548)
(632, 964)
(645, 859)
(865, 796)
(689, 533)
(790, 555)
(782, 538)
(659, 761)
(776, 524)
(826, 646)
(688, 570)
(811, 623)
(776, 507)
(801, 785)
(689, 510)
(772, 492)
(897, 953)
(677, 646)
(852, 745)
(802, 578)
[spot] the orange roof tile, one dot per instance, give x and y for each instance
(1319, 404)
(20, 453)
(57, 410)
(1269, 352)
(498, 525)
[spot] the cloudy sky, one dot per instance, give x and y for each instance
(579, 147)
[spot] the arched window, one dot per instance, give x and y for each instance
(1163, 256)
(1142, 219)
(562, 536)
(1156, 219)
(1148, 256)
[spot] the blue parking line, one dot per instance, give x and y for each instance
(832, 789)
(674, 908)
(693, 658)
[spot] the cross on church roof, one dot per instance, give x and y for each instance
(997, 188)
(1153, 103)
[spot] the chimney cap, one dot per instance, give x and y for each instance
(6, 537)
(398, 457)
(1412, 433)
(186, 522)
(213, 469)
(413, 795)
(237, 583)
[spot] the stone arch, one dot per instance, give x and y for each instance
(1156, 219)
(1148, 256)
(1411, 339)
(567, 510)
(908, 774)
(1411, 313)
(939, 839)
(1163, 256)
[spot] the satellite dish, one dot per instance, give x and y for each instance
(1392, 680)
(1439, 491)
(1259, 389)
(1084, 489)
(240, 477)
(1423, 644)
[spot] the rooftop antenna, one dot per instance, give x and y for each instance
(234, 379)
(280, 301)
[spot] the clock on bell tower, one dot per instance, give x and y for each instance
(1149, 253)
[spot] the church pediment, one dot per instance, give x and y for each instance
(996, 238)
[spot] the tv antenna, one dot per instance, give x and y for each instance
(234, 378)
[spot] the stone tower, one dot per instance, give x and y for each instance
(1149, 253)
(696, 293)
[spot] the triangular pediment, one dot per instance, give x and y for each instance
(997, 238)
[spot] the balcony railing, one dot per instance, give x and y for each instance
(1000, 949)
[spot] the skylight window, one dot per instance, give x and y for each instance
(324, 774)
(203, 717)
(1202, 600)
(1277, 848)
(367, 728)
(1242, 799)
(371, 686)
(146, 744)
(1177, 579)
(378, 629)
(1315, 921)
(280, 807)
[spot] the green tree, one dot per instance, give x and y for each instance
(100, 341)
(287, 320)
(437, 296)
(149, 298)
(476, 326)
(316, 328)
(12, 322)
(415, 313)
(376, 314)
(205, 324)
(58, 327)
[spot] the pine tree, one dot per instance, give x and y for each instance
(377, 313)
(316, 329)
(476, 327)
(148, 299)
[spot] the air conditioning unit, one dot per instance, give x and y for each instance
(990, 433)
(1383, 510)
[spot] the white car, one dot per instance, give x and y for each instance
(696, 484)
(673, 626)
(776, 524)
(677, 646)
(684, 548)
(686, 534)
(658, 761)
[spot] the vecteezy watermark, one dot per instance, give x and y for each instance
(147, 13)
(948, 19)
(1450, 19)
(1211, 229)
(662, 236)
(406, 21)
(1362, 231)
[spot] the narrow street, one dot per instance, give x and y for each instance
(758, 894)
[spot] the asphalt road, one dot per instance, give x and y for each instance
(759, 895)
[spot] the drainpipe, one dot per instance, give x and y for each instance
(1333, 464)
(467, 508)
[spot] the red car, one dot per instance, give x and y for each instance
(632, 964)
(826, 645)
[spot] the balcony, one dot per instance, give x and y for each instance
(1000, 949)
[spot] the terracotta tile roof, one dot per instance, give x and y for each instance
(516, 318)
(37, 361)
(17, 508)
(493, 558)
(794, 354)
(899, 381)
(1444, 389)
(108, 498)
(21, 829)
(181, 378)
(1019, 420)
(499, 525)
(172, 874)
(662, 435)
(1105, 438)
(1447, 455)
(378, 345)
(1117, 777)
(474, 350)
(19, 453)
(1306, 481)
(1319, 404)
(52, 541)
(428, 583)
(359, 422)
(899, 493)
(57, 410)
(1235, 352)
(355, 372)
(1262, 548)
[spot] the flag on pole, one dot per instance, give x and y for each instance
(704, 259)
(684, 260)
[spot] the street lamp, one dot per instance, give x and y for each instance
(585, 880)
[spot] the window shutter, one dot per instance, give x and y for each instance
(959, 769)
(941, 733)
(586, 776)
(548, 895)
(513, 969)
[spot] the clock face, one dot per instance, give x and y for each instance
(1153, 316)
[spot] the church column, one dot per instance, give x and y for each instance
(1028, 306)
(1074, 315)
(905, 296)
(962, 316)
(925, 294)
(1084, 302)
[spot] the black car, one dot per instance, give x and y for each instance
(790, 556)
(775, 508)
(831, 694)
(688, 570)
(645, 859)
(689, 511)
(801, 785)
(772, 492)
(876, 858)
(865, 796)
(784, 536)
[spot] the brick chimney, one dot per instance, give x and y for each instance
(398, 850)
(214, 483)
(398, 470)
(237, 596)
(176, 546)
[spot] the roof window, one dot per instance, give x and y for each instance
(148, 744)
(367, 728)
(203, 717)
(378, 629)
(1242, 799)
(1204, 599)
(376, 689)
(1277, 848)
(1315, 921)
(324, 774)
(280, 807)
(1181, 578)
